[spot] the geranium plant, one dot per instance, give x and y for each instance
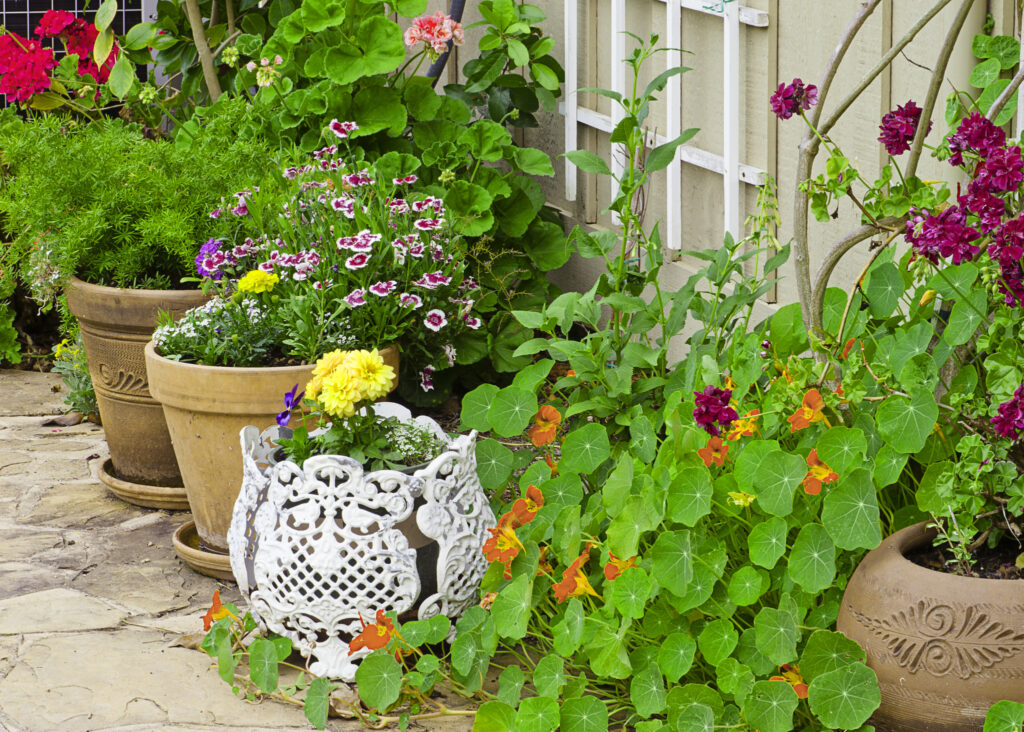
(336, 252)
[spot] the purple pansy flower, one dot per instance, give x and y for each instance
(291, 401)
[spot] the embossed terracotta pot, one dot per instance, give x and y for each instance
(116, 325)
(206, 407)
(945, 647)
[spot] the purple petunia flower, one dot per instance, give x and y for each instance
(713, 409)
(790, 98)
(1010, 420)
(899, 127)
(291, 401)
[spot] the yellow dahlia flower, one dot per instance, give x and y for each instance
(340, 392)
(258, 281)
(324, 366)
(375, 377)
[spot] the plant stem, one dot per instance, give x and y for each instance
(936, 84)
(195, 20)
(1002, 99)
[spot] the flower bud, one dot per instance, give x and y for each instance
(926, 298)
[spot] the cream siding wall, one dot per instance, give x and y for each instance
(798, 42)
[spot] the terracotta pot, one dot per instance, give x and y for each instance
(945, 647)
(116, 325)
(206, 407)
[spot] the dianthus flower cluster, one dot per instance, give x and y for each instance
(713, 412)
(791, 98)
(435, 31)
(899, 127)
(1009, 422)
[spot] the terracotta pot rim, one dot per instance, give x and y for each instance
(140, 292)
(197, 368)
(912, 537)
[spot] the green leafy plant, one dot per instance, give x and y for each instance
(69, 362)
(101, 202)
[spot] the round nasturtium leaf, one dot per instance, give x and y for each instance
(474, 408)
(734, 678)
(585, 714)
(826, 651)
(549, 676)
(888, 466)
(850, 514)
(906, 423)
(696, 718)
(770, 705)
(717, 640)
(675, 655)
(846, 697)
(511, 410)
(747, 584)
(380, 680)
(673, 561)
(767, 542)
(689, 495)
(630, 591)
(776, 635)
(779, 475)
(647, 691)
(537, 714)
(842, 448)
(493, 464)
(812, 562)
(584, 449)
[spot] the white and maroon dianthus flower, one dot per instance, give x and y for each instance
(357, 261)
(472, 322)
(435, 320)
(383, 288)
(416, 250)
(426, 383)
(322, 284)
(342, 129)
(215, 213)
(355, 298)
(357, 179)
(399, 206)
(449, 353)
(410, 301)
(241, 209)
(427, 224)
(291, 173)
(406, 181)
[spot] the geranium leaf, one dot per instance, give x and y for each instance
(846, 697)
(675, 655)
(770, 705)
(850, 514)
(812, 562)
(717, 640)
(767, 542)
(379, 678)
(826, 651)
(585, 714)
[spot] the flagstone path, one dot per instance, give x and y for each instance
(98, 617)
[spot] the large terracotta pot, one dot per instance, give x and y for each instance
(116, 325)
(945, 647)
(206, 407)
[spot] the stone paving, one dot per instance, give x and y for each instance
(98, 617)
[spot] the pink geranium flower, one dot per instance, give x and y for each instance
(435, 31)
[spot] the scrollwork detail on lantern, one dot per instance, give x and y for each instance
(314, 547)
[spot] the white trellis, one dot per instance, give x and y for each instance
(728, 164)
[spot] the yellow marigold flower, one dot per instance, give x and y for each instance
(374, 376)
(258, 281)
(340, 392)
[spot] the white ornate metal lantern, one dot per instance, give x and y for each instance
(314, 546)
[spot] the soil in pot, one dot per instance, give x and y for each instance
(999, 562)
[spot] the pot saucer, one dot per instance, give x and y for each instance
(212, 564)
(171, 498)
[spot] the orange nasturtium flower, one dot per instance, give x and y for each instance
(714, 452)
(545, 426)
(790, 673)
(488, 599)
(216, 612)
(817, 473)
(373, 636)
(617, 566)
(574, 582)
(744, 427)
(504, 545)
(551, 464)
(810, 411)
(524, 509)
(848, 347)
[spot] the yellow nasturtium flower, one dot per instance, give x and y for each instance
(258, 281)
